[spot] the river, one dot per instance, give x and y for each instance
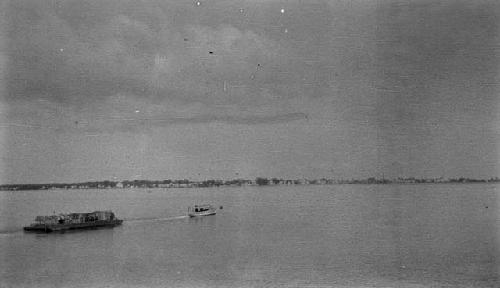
(279, 236)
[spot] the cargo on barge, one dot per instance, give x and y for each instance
(71, 221)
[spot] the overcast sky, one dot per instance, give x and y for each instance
(96, 90)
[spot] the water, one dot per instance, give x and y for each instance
(297, 236)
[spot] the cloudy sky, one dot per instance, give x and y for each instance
(156, 89)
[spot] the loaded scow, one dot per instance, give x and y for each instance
(71, 221)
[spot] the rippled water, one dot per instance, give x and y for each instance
(297, 236)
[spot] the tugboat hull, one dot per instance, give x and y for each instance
(194, 214)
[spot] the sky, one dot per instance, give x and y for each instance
(223, 89)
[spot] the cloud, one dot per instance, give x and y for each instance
(144, 124)
(81, 54)
(82, 60)
(127, 113)
(221, 65)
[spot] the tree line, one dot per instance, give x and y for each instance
(259, 181)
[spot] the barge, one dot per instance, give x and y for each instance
(72, 221)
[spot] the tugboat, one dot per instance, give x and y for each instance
(201, 210)
(71, 221)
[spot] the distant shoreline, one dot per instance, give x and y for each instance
(259, 181)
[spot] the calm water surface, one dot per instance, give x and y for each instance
(298, 236)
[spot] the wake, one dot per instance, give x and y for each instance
(135, 220)
(10, 232)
